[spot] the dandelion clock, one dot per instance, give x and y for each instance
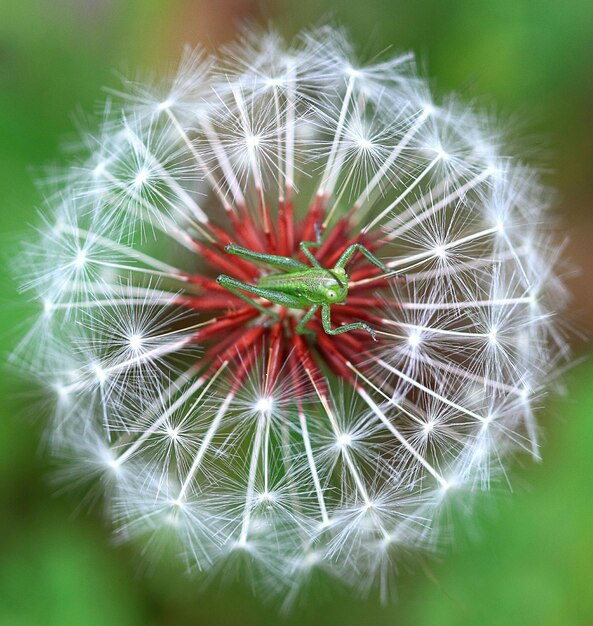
(289, 306)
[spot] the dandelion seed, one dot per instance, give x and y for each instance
(201, 373)
(80, 259)
(414, 339)
(135, 342)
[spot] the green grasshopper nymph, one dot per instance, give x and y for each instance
(299, 286)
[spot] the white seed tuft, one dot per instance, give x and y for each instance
(244, 442)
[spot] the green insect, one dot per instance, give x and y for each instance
(299, 286)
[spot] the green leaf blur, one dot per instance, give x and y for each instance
(525, 557)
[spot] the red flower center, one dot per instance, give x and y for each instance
(234, 329)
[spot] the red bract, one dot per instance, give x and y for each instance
(230, 331)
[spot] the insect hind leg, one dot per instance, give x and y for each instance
(236, 287)
(287, 264)
(327, 324)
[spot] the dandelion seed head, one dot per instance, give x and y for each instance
(414, 339)
(441, 152)
(264, 405)
(428, 427)
(99, 373)
(62, 391)
(446, 486)
(135, 342)
(440, 251)
(99, 169)
(274, 82)
(165, 105)
(252, 141)
(172, 432)
(344, 440)
(141, 177)
(80, 259)
(203, 412)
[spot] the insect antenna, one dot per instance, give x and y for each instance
(334, 275)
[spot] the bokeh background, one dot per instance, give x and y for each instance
(527, 557)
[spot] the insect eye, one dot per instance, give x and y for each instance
(331, 294)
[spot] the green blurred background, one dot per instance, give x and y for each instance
(528, 558)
